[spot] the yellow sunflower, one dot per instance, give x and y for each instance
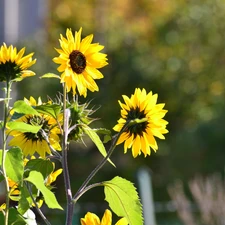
(30, 142)
(140, 137)
(92, 219)
(79, 62)
(13, 65)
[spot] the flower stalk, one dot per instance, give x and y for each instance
(4, 150)
(70, 206)
(82, 188)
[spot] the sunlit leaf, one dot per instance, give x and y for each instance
(37, 179)
(97, 141)
(22, 107)
(23, 127)
(50, 75)
(13, 163)
(123, 200)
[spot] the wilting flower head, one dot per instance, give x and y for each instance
(140, 137)
(92, 219)
(13, 65)
(30, 142)
(79, 62)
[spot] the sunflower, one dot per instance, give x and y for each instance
(92, 219)
(13, 65)
(79, 62)
(31, 142)
(140, 137)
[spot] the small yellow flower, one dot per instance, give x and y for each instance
(140, 137)
(13, 65)
(79, 62)
(92, 219)
(30, 142)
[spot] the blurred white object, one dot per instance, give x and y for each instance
(30, 217)
(146, 196)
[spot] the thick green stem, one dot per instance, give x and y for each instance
(70, 206)
(4, 150)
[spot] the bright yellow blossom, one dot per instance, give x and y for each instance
(79, 62)
(140, 137)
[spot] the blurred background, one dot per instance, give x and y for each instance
(175, 48)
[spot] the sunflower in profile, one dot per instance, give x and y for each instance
(79, 62)
(36, 142)
(92, 219)
(14, 65)
(140, 136)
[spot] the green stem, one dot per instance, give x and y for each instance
(82, 189)
(87, 189)
(4, 150)
(36, 205)
(70, 206)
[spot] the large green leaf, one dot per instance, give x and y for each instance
(37, 180)
(49, 109)
(13, 163)
(97, 141)
(23, 127)
(123, 200)
(21, 107)
(45, 167)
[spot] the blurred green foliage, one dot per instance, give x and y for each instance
(174, 48)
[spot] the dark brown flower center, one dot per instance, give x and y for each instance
(138, 128)
(77, 61)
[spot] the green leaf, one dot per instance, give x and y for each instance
(25, 200)
(50, 75)
(49, 109)
(22, 107)
(37, 179)
(45, 167)
(14, 218)
(123, 200)
(105, 132)
(13, 163)
(23, 127)
(97, 141)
